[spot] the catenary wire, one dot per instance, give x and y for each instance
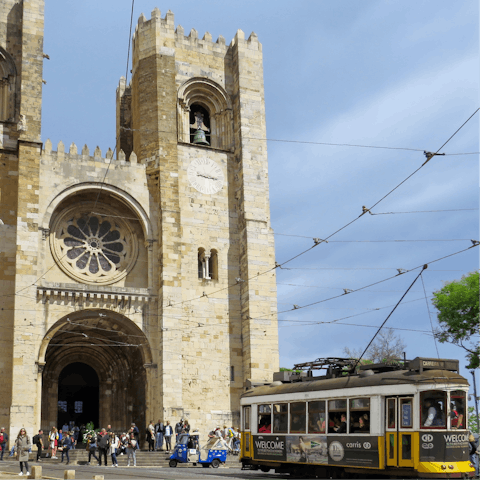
(389, 315)
(429, 316)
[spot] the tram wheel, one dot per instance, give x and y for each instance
(172, 463)
(215, 463)
(264, 469)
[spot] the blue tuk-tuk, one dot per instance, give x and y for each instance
(188, 450)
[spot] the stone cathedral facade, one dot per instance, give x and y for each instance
(136, 284)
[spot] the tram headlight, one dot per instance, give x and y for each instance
(451, 467)
(471, 465)
(444, 467)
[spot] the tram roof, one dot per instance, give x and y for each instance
(398, 377)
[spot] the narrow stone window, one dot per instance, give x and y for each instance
(213, 264)
(232, 373)
(207, 264)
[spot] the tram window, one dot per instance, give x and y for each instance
(406, 447)
(280, 418)
(316, 417)
(264, 419)
(360, 415)
(391, 413)
(337, 416)
(298, 415)
(457, 409)
(406, 412)
(246, 418)
(433, 409)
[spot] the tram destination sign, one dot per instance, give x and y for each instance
(444, 447)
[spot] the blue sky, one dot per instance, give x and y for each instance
(385, 73)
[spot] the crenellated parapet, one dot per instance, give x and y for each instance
(73, 156)
(166, 36)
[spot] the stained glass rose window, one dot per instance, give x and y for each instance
(94, 247)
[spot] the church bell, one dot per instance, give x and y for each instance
(199, 138)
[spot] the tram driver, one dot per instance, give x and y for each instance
(434, 414)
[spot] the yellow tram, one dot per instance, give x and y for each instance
(406, 419)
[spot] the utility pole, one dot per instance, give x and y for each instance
(476, 399)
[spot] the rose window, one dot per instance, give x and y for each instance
(94, 248)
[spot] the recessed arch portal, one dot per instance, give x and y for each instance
(111, 346)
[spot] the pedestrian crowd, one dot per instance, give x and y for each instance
(106, 443)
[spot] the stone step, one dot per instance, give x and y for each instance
(143, 458)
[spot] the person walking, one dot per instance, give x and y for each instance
(168, 436)
(131, 447)
(22, 446)
(102, 444)
(473, 447)
(112, 448)
(3, 442)
(159, 431)
(66, 446)
(91, 447)
(38, 442)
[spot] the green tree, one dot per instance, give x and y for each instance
(457, 305)
(472, 420)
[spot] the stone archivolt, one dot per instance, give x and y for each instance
(96, 248)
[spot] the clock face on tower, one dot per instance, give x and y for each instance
(205, 175)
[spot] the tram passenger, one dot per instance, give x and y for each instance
(265, 425)
(363, 427)
(341, 426)
(434, 416)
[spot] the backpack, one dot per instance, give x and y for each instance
(36, 439)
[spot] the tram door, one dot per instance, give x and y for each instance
(399, 431)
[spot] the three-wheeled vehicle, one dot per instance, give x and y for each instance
(188, 450)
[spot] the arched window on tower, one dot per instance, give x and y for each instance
(204, 114)
(207, 264)
(7, 86)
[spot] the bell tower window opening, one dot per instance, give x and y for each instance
(200, 132)
(205, 97)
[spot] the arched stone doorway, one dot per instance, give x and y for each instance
(78, 395)
(95, 349)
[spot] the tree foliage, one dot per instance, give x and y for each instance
(472, 420)
(387, 347)
(457, 305)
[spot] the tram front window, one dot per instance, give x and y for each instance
(433, 409)
(264, 419)
(457, 409)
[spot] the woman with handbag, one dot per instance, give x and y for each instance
(22, 446)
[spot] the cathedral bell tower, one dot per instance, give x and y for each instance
(194, 113)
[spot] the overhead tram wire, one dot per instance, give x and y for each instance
(429, 316)
(389, 315)
(379, 241)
